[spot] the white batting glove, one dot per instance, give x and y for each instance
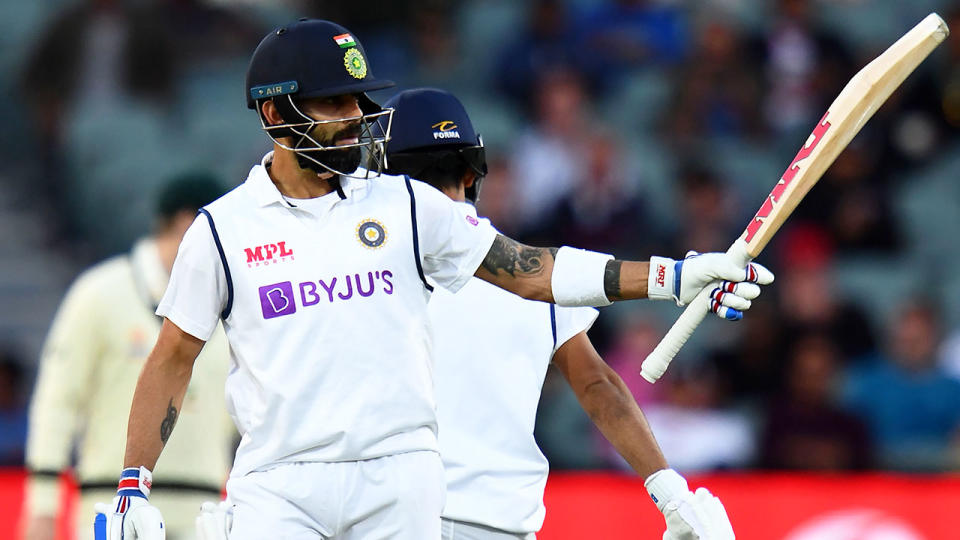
(734, 285)
(689, 516)
(130, 516)
(215, 520)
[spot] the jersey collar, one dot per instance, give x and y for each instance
(265, 192)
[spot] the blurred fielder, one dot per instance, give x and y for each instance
(319, 270)
(96, 347)
(492, 349)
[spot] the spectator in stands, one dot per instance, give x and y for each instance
(626, 35)
(13, 409)
(549, 159)
(545, 44)
(717, 90)
(604, 212)
(805, 428)
(910, 404)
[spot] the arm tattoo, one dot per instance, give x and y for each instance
(166, 427)
(611, 279)
(515, 258)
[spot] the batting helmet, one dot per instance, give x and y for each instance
(313, 58)
(431, 132)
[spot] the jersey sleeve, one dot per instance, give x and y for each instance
(68, 359)
(573, 320)
(197, 291)
(452, 241)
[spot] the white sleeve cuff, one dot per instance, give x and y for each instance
(577, 278)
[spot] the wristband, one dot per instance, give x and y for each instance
(135, 482)
(577, 278)
(666, 485)
(663, 279)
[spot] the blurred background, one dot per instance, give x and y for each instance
(635, 127)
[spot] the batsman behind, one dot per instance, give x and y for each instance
(492, 350)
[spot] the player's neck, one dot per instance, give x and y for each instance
(296, 182)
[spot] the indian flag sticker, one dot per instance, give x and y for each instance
(344, 41)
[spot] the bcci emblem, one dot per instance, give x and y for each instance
(371, 233)
(355, 64)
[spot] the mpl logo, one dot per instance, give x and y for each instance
(268, 254)
(277, 300)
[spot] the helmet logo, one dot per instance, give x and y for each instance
(345, 41)
(371, 233)
(445, 129)
(355, 64)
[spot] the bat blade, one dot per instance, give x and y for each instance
(852, 108)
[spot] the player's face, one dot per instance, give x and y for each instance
(332, 108)
(336, 133)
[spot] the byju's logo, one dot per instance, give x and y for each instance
(277, 300)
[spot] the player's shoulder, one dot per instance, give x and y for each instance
(104, 275)
(231, 200)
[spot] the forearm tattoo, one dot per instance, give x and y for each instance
(611, 279)
(515, 258)
(166, 427)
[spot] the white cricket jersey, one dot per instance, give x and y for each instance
(101, 336)
(325, 309)
(492, 349)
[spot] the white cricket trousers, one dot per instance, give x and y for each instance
(461, 530)
(396, 497)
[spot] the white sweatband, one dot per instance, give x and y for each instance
(666, 485)
(660, 280)
(578, 277)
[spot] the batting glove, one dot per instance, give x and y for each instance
(689, 516)
(215, 520)
(734, 286)
(130, 516)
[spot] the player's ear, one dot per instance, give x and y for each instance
(468, 178)
(270, 112)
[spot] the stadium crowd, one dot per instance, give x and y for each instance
(630, 126)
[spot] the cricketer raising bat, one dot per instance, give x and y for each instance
(857, 102)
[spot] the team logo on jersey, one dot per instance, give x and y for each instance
(277, 300)
(355, 64)
(445, 129)
(371, 233)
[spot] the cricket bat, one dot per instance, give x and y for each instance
(857, 102)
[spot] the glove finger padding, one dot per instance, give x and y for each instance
(214, 521)
(139, 521)
(714, 514)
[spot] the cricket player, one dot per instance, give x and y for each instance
(320, 271)
(96, 347)
(492, 350)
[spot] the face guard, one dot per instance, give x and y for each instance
(319, 152)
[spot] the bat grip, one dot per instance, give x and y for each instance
(657, 362)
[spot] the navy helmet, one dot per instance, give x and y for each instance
(313, 58)
(429, 127)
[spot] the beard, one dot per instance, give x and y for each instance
(344, 160)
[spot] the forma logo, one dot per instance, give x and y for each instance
(277, 300)
(445, 129)
(268, 254)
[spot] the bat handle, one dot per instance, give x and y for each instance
(657, 362)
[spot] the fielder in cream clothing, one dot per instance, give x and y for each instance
(319, 270)
(97, 345)
(492, 350)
